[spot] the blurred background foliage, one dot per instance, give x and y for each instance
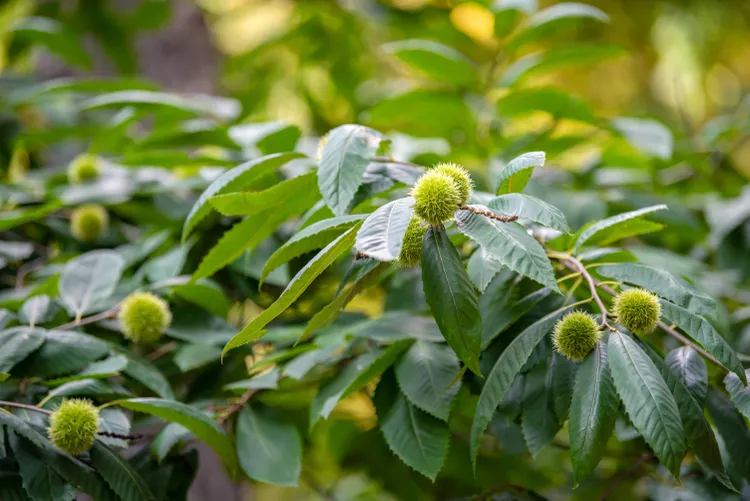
(640, 102)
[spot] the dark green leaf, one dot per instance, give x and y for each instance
(739, 392)
(65, 352)
(555, 18)
(662, 283)
(558, 103)
(734, 433)
(269, 449)
(358, 373)
(593, 412)
(510, 244)
(119, 475)
(191, 418)
(504, 372)
(650, 405)
(702, 331)
(18, 343)
(428, 376)
(690, 368)
(539, 422)
(41, 482)
(296, 287)
(451, 297)
(235, 179)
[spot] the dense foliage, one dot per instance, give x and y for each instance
(312, 308)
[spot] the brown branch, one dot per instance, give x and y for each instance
(28, 407)
(90, 320)
(489, 214)
(574, 264)
(111, 434)
(236, 406)
(161, 351)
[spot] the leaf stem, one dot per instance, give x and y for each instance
(28, 407)
(90, 320)
(574, 264)
(236, 406)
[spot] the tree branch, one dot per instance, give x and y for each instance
(27, 407)
(489, 214)
(236, 406)
(576, 265)
(90, 320)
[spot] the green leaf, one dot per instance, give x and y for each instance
(700, 437)
(739, 392)
(251, 232)
(358, 373)
(539, 422)
(650, 405)
(662, 283)
(558, 103)
(191, 418)
(88, 387)
(245, 203)
(18, 343)
(168, 437)
(119, 475)
(507, 366)
(269, 449)
(24, 429)
(593, 413)
(35, 310)
(434, 59)
(562, 375)
(343, 162)
(734, 433)
(145, 373)
(55, 37)
(494, 300)
(613, 226)
(315, 236)
(420, 440)
(691, 370)
(298, 284)
(11, 487)
(383, 231)
(235, 179)
(65, 352)
(553, 19)
(498, 317)
(515, 176)
(579, 54)
(451, 297)
(510, 244)
(528, 207)
(428, 375)
(168, 265)
(702, 331)
(89, 278)
(205, 293)
(41, 482)
(12, 218)
(268, 137)
(425, 113)
(113, 421)
(222, 108)
(483, 268)
(650, 136)
(193, 356)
